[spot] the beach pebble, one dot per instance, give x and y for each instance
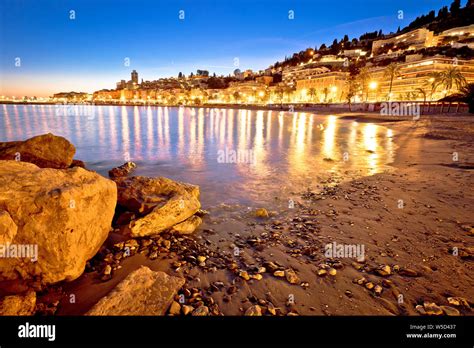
(279, 274)
(450, 311)
(261, 213)
(408, 272)
(244, 275)
(271, 266)
(458, 301)
(432, 308)
(322, 272)
(200, 311)
(291, 276)
(107, 270)
(186, 309)
(384, 271)
(255, 310)
(175, 308)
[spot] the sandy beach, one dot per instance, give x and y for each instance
(416, 219)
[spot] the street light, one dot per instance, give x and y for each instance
(373, 86)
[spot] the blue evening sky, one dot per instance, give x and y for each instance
(88, 53)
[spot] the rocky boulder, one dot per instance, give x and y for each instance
(122, 170)
(51, 220)
(159, 203)
(18, 305)
(142, 292)
(188, 226)
(46, 151)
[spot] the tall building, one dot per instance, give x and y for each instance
(135, 77)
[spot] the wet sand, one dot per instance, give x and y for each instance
(436, 216)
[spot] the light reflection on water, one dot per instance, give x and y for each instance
(292, 151)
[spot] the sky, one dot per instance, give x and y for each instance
(45, 48)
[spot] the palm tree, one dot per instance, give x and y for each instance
(363, 79)
(312, 93)
(421, 91)
(351, 87)
(433, 83)
(451, 77)
(325, 92)
(288, 91)
(236, 96)
(391, 72)
(280, 93)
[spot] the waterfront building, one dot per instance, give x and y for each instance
(301, 72)
(415, 76)
(325, 87)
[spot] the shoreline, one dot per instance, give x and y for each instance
(416, 239)
(370, 108)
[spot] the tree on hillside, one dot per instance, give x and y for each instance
(455, 6)
(443, 13)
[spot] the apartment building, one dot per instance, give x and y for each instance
(325, 87)
(414, 39)
(415, 75)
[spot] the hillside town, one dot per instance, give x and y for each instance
(423, 62)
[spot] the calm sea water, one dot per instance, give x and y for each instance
(279, 154)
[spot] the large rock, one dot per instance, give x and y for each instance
(188, 226)
(161, 203)
(63, 215)
(142, 292)
(46, 151)
(8, 228)
(18, 305)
